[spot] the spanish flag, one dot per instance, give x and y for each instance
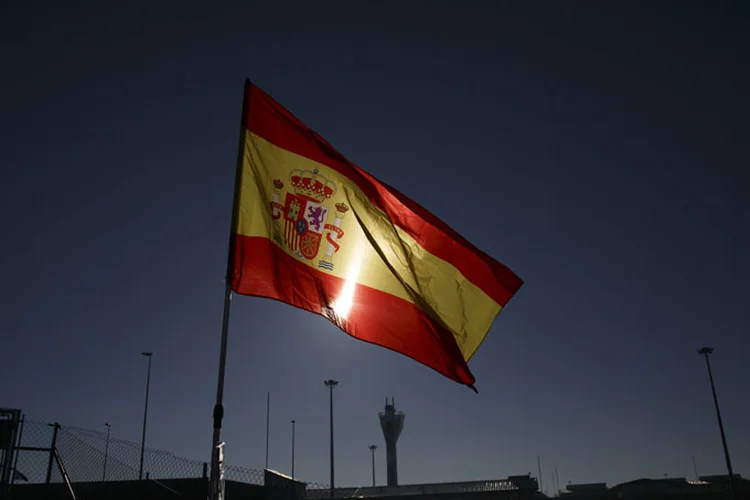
(313, 230)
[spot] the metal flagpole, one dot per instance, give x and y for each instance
(215, 488)
(219, 407)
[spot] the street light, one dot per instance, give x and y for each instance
(145, 412)
(268, 422)
(292, 449)
(372, 449)
(106, 453)
(331, 384)
(706, 352)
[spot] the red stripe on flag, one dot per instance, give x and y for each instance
(262, 269)
(271, 121)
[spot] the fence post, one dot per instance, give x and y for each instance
(52, 448)
(18, 445)
(205, 470)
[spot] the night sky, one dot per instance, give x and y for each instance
(600, 154)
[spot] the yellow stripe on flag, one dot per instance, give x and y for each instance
(372, 251)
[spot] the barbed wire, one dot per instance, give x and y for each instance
(313, 486)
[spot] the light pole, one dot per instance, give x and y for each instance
(706, 352)
(268, 422)
(292, 449)
(331, 384)
(145, 412)
(106, 453)
(372, 449)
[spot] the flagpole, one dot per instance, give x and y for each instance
(219, 406)
(218, 414)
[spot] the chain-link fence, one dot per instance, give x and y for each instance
(89, 456)
(83, 458)
(32, 462)
(243, 474)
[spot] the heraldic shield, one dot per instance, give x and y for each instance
(305, 213)
(304, 223)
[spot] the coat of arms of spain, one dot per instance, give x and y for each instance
(306, 211)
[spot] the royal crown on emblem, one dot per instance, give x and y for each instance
(278, 184)
(312, 185)
(341, 208)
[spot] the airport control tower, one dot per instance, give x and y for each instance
(392, 423)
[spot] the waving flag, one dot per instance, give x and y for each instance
(313, 230)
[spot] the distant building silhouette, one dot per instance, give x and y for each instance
(707, 487)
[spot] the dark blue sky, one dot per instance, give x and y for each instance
(601, 154)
